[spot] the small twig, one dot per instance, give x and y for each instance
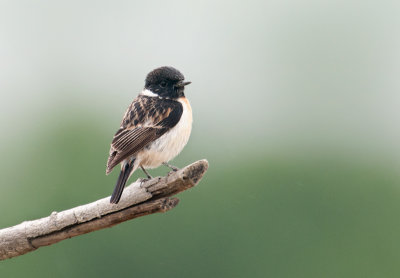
(138, 199)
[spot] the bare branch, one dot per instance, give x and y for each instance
(138, 199)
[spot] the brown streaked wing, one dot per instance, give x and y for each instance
(129, 144)
(159, 115)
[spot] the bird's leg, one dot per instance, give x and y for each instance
(170, 166)
(147, 174)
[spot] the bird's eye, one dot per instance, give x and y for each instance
(163, 84)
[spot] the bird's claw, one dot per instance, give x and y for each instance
(174, 169)
(143, 180)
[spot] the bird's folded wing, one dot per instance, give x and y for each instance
(134, 139)
(146, 120)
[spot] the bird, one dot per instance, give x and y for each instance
(154, 129)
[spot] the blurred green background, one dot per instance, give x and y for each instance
(296, 107)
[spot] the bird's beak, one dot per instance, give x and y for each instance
(182, 84)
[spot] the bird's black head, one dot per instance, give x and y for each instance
(166, 82)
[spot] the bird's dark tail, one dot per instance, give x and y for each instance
(122, 179)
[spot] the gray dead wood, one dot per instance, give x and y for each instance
(138, 199)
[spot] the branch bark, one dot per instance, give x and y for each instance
(138, 199)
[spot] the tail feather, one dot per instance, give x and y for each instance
(122, 179)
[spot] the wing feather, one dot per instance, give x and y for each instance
(146, 119)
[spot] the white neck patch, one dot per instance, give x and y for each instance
(148, 93)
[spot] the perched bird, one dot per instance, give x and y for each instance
(154, 129)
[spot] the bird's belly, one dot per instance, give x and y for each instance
(171, 143)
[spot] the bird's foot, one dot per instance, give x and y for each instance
(142, 180)
(147, 174)
(171, 166)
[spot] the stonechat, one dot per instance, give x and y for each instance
(154, 129)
